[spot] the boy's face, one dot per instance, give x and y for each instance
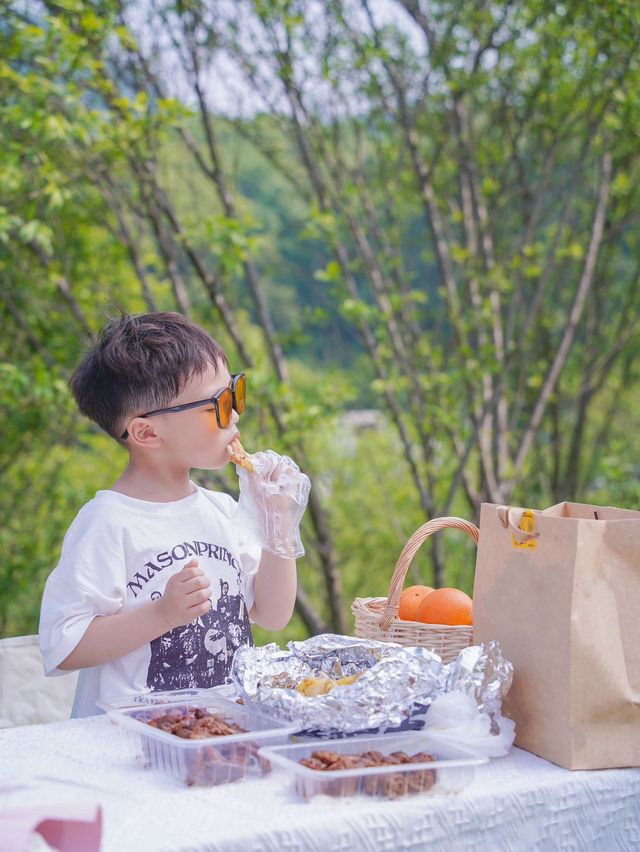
(193, 438)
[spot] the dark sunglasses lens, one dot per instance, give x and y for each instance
(240, 393)
(225, 407)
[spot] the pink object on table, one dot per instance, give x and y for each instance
(69, 828)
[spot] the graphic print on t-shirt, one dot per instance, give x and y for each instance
(199, 654)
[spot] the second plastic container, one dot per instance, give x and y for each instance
(451, 770)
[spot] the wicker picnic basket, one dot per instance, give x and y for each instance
(377, 618)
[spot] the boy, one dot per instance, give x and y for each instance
(158, 578)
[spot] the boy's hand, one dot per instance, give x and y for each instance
(186, 595)
(272, 502)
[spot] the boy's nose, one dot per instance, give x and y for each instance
(234, 417)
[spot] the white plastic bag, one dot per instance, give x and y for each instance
(454, 718)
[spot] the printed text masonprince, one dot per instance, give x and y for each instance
(176, 554)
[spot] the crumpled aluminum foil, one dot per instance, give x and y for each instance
(482, 672)
(397, 686)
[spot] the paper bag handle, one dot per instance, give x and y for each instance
(511, 518)
(409, 551)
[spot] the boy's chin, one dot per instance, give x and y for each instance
(209, 465)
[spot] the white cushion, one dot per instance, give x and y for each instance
(27, 697)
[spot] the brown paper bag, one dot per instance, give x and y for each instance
(560, 590)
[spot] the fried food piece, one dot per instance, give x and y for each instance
(312, 763)
(240, 456)
(193, 724)
(345, 681)
(282, 680)
(392, 785)
(312, 686)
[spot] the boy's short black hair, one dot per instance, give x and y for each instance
(140, 363)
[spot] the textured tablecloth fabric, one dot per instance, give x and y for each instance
(518, 802)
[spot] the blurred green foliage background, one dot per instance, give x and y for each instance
(414, 225)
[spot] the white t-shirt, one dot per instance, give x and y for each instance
(117, 555)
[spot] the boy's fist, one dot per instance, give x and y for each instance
(187, 595)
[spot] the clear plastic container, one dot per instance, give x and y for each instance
(207, 761)
(451, 770)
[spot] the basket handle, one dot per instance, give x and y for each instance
(409, 551)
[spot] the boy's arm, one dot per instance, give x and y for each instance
(109, 637)
(274, 591)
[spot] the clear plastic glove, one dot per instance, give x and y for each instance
(272, 502)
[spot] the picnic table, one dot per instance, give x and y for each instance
(518, 802)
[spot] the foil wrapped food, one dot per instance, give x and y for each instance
(393, 691)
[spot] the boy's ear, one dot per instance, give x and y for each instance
(142, 433)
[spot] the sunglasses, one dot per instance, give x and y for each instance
(224, 402)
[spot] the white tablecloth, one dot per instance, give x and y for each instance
(518, 802)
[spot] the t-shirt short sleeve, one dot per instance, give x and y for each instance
(88, 581)
(249, 551)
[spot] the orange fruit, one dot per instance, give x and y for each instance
(410, 600)
(446, 606)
